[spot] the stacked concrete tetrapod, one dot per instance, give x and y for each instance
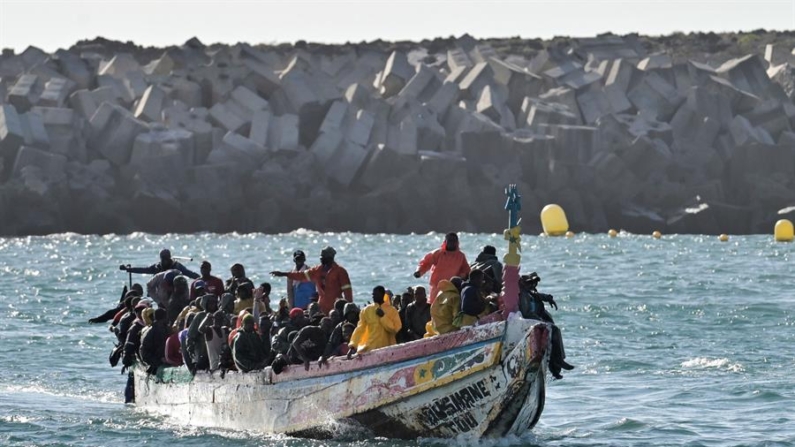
(252, 138)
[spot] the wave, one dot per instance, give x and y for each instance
(707, 363)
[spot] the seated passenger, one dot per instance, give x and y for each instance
(250, 350)
(473, 305)
(378, 324)
(445, 308)
(245, 296)
(215, 336)
(418, 313)
(153, 342)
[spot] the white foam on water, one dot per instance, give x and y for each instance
(708, 363)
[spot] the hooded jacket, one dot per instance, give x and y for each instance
(446, 307)
(250, 350)
(374, 332)
(443, 264)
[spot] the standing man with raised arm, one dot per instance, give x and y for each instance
(331, 280)
(166, 263)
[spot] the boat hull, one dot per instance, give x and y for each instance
(484, 381)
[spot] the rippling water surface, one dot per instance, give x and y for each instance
(678, 341)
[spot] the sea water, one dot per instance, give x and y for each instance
(683, 340)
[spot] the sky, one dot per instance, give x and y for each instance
(57, 24)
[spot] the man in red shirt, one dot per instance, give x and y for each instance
(331, 280)
(212, 284)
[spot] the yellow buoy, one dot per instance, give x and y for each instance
(656, 234)
(612, 233)
(553, 220)
(783, 231)
(569, 234)
(723, 238)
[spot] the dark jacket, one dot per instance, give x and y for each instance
(531, 305)
(416, 318)
(492, 266)
(153, 345)
(250, 351)
(472, 303)
(132, 343)
(157, 268)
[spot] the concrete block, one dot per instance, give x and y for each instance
(32, 56)
(594, 104)
(458, 59)
(688, 125)
(64, 130)
(476, 80)
(335, 117)
(361, 127)
(247, 102)
(743, 132)
(222, 116)
(655, 61)
(121, 92)
(186, 91)
(777, 54)
(56, 91)
(52, 166)
(396, 74)
(491, 104)
(160, 66)
(85, 102)
(656, 96)
(12, 135)
(443, 98)
(771, 116)
(565, 96)
(194, 120)
(74, 68)
(646, 156)
(176, 145)
(579, 79)
(384, 163)
(119, 66)
(240, 150)
(457, 75)
(25, 92)
(151, 104)
(422, 85)
(483, 53)
(325, 146)
(112, 132)
(536, 112)
(283, 133)
(573, 144)
(748, 74)
(33, 128)
(260, 125)
(357, 96)
(402, 136)
(347, 163)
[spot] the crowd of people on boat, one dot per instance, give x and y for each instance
(207, 324)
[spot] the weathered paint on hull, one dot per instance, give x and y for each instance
(492, 384)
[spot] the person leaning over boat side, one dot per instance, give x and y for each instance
(153, 342)
(331, 280)
(131, 345)
(310, 343)
(531, 305)
(418, 313)
(160, 286)
(166, 263)
(443, 263)
(350, 317)
(212, 284)
(378, 324)
(299, 292)
(250, 349)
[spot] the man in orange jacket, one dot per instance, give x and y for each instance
(330, 278)
(444, 263)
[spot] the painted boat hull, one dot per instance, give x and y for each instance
(483, 381)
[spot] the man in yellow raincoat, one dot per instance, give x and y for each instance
(378, 324)
(445, 307)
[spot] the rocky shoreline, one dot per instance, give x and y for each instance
(681, 133)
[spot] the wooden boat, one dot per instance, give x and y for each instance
(486, 380)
